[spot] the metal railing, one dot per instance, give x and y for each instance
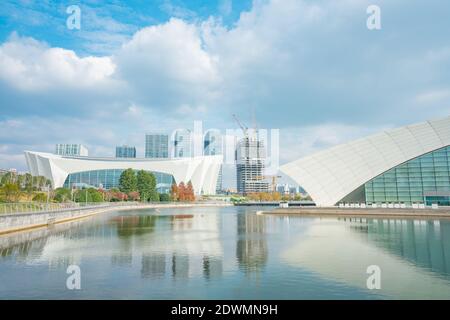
(32, 207)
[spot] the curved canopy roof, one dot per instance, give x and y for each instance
(202, 171)
(329, 175)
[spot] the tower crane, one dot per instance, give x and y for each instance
(243, 127)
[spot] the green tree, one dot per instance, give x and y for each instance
(88, 195)
(154, 195)
(164, 197)
(62, 195)
(40, 197)
(28, 183)
(11, 192)
(128, 181)
(145, 185)
(9, 177)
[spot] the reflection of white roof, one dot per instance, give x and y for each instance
(201, 171)
(329, 175)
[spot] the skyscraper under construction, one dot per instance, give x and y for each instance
(250, 165)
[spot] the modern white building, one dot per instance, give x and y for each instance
(68, 171)
(407, 165)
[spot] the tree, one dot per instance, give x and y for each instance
(154, 195)
(40, 197)
(28, 183)
(128, 181)
(164, 197)
(174, 192)
(181, 191)
(190, 192)
(62, 195)
(11, 192)
(9, 177)
(134, 196)
(88, 195)
(145, 184)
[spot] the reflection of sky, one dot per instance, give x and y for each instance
(222, 253)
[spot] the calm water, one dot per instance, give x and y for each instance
(227, 253)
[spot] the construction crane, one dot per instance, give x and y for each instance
(243, 127)
(274, 181)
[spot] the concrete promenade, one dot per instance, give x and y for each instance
(427, 213)
(24, 221)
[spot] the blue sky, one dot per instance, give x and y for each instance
(310, 68)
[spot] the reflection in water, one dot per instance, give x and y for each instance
(212, 267)
(214, 252)
(342, 251)
(426, 243)
(251, 248)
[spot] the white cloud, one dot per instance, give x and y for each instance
(30, 65)
(309, 68)
(433, 96)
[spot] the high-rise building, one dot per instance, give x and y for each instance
(71, 149)
(182, 143)
(156, 146)
(125, 152)
(250, 165)
(212, 143)
(213, 146)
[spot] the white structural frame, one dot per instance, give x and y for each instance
(202, 171)
(330, 175)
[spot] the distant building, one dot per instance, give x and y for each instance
(182, 144)
(70, 149)
(156, 146)
(125, 152)
(250, 166)
(212, 145)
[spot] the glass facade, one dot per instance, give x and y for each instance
(109, 178)
(125, 152)
(182, 143)
(156, 146)
(70, 149)
(425, 179)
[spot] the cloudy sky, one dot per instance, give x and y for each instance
(310, 68)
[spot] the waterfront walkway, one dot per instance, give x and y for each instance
(428, 213)
(20, 221)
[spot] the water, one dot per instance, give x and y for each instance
(227, 253)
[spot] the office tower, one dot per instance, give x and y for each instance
(156, 146)
(250, 165)
(69, 149)
(125, 152)
(213, 146)
(182, 143)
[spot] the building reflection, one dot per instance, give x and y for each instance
(153, 265)
(251, 247)
(426, 243)
(180, 266)
(212, 267)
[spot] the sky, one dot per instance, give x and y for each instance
(311, 69)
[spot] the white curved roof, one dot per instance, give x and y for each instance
(330, 175)
(202, 171)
